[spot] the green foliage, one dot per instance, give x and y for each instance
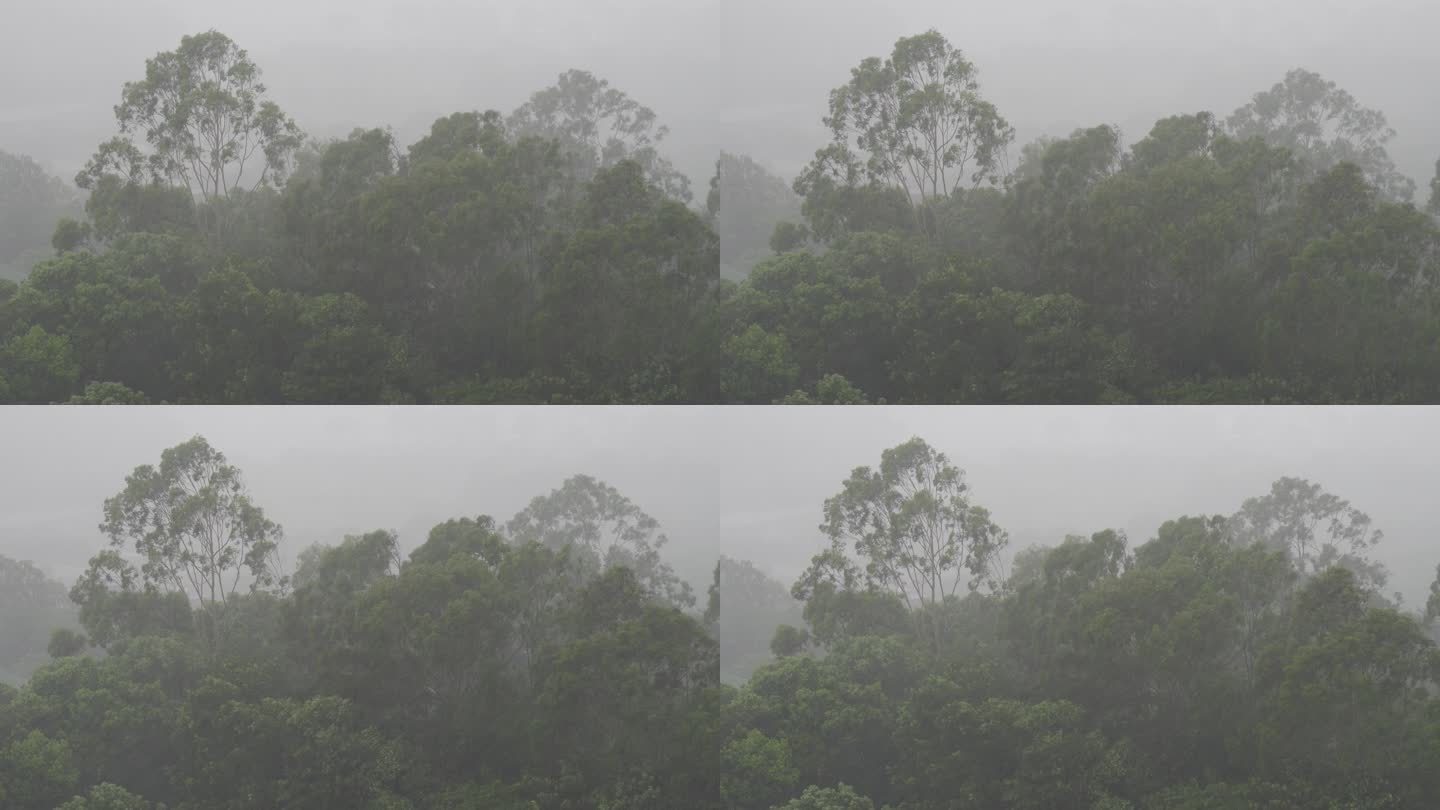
(36, 772)
(599, 126)
(601, 530)
(108, 393)
(1271, 257)
(841, 797)
(913, 531)
(788, 640)
(1211, 667)
(486, 670)
(38, 367)
(193, 523)
(788, 236)
(106, 796)
(550, 256)
(1288, 518)
(202, 110)
(758, 772)
(757, 366)
(832, 389)
(66, 643)
(1324, 126)
(915, 121)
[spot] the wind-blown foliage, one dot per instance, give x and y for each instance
(480, 670)
(1274, 255)
(1222, 664)
(546, 256)
(554, 254)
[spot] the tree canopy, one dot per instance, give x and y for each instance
(554, 254)
(551, 255)
(1271, 256)
(1227, 662)
(483, 668)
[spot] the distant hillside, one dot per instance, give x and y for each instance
(31, 202)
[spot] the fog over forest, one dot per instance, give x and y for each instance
(748, 483)
(720, 203)
(407, 609)
(1108, 609)
(1052, 67)
(325, 474)
(369, 63)
(1112, 609)
(1047, 472)
(740, 75)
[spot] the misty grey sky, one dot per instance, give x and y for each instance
(323, 473)
(749, 76)
(746, 481)
(1045, 472)
(1052, 66)
(337, 65)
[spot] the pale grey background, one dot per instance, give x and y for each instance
(748, 76)
(326, 472)
(1045, 472)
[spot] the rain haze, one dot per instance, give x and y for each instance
(369, 63)
(743, 76)
(1048, 472)
(326, 473)
(1052, 67)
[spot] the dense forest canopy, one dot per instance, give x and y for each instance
(554, 660)
(1272, 255)
(491, 667)
(1230, 662)
(551, 255)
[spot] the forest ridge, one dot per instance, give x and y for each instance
(552, 661)
(1271, 255)
(1229, 663)
(556, 662)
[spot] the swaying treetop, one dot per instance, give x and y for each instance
(1314, 527)
(915, 120)
(202, 110)
(192, 523)
(600, 126)
(1324, 126)
(912, 524)
(604, 530)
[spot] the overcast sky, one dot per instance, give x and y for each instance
(750, 481)
(1045, 472)
(1052, 66)
(337, 65)
(747, 76)
(323, 473)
